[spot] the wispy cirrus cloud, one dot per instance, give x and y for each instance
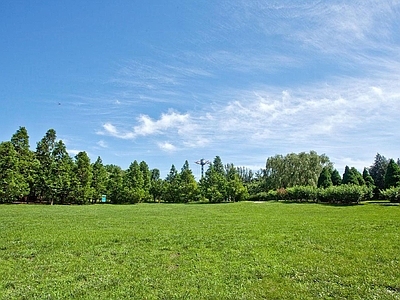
(257, 94)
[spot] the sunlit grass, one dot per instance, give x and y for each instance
(220, 251)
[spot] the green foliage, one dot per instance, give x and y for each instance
(302, 193)
(133, 184)
(44, 154)
(188, 189)
(236, 191)
(343, 194)
(325, 179)
(392, 194)
(214, 185)
(99, 180)
(352, 176)
(294, 169)
(156, 185)
(83, 172)
(13, 185)
(378, 171)
(392, 175)
(171, 185)
(336, 178)
(369, 181)
(114, 184)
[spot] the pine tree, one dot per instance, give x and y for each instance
(99, 180)
(392, 175)
(133, 184)
(325, 179)
(336, 178)
(28, 165)
(171, 186)
(369, 181)
(188, 190)
(83, 171)
(378, 171)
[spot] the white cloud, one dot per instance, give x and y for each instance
(102, 144)
(170, 120)
(167, 147)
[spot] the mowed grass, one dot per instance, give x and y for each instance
(220, 251)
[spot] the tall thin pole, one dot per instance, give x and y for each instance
(202, 162)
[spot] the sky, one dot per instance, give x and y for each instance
(167, 81)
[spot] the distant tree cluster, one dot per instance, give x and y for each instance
(50, 175)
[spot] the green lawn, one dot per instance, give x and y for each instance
(220, 251)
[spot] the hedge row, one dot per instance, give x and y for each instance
(345, 194)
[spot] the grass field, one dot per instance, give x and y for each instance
(221, 251)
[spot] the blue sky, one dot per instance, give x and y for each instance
(168, 81)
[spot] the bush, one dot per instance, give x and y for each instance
(302, 193)
(345, 194)
(264, 196)
(392, 194)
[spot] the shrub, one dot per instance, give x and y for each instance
(346, 194)
(392, 194)
(302, 193)
(264, 196)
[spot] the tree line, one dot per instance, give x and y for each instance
(50, 175)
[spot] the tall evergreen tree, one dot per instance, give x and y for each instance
(44, 154)
(84, 175)
(99, 179)
(134, 184)
(324, 179)
(156, 186)
(378, 171)
(369, 181)
(188, 190)
(392, 175)
(352, 176)
(171, 185)
(114, 184)
(63, 177)
(336, 178)
(28, 165)
(214, 183)
(146, 174)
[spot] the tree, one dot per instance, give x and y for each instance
(336, 178)
(378, 171)
(392, 175)
(188, 190)
(156, 185)
(12, 184)
(236, 191)
(83, 171)
(369, 181)
(44, 154)
(114, 184)
(28, 165)
(214, 184)
(352, 176)
(146, 174)
(294, 169)
(62, 175)
(99, 179)
(324, 179)
(171, 185)
(133, 184)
